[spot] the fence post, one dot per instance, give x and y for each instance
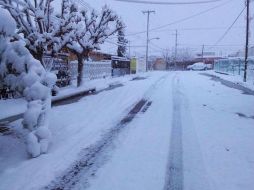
(239, 67)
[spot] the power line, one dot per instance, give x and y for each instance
(220, 45)
(156, 46)
(183, 19)
(168, 3)
(193, 29)
(199, 28)
(114, 43)
(156, 49)
(229, 28)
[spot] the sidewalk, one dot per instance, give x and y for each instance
(230, 84)
(233, 78)
(13, 109)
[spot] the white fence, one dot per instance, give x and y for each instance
(92, 70)
(235, 66)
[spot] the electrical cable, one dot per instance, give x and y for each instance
(199, 28)
(168, 3)
(229, 28)
(154, 45)
(181, 20)
(110, 42)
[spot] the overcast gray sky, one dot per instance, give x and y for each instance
(204, 29)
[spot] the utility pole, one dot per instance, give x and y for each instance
(247, 41)
(148, 12)
(129, 48)
(176, 44)
(203, 47)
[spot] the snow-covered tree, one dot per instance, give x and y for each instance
(167, 57)
(121, 41)
(184, 54)
(36, 22)
(20, 71)
(89, 30)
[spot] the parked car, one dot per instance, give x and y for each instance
(209, 66)
(200, 66)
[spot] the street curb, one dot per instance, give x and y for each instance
(54, 102)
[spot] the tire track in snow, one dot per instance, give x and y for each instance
(93, 157)
(174, 175)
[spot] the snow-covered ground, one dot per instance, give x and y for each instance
(196, 134)
(18, 106)
(224, 138)
(74, 127)
(234, 78)
(12, 107)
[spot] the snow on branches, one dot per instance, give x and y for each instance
(45, 31)
(40, 31)
(122, 42)
(89, 30)
(35, 21)
(21, 72)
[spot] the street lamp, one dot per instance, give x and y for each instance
(149, 40)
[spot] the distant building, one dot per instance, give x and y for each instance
(160, 64)
(207, 58)
(241, 53)
(99, 56)
(93, 56)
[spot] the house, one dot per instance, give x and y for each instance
(99, 56)
(93, 56)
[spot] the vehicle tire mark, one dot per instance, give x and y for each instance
(146, 107)
(93, 157)
(174, 173)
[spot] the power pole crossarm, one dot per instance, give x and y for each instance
(148, 12)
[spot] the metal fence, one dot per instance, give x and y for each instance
(235, 66)
(92, 70)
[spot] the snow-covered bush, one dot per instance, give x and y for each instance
(20, 71)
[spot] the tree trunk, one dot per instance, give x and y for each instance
(80, 69)
(81, 57)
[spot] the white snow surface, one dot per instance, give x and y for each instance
(11, 107)
(216, 143)
(73, 127)
(6, 29)
(234, 78)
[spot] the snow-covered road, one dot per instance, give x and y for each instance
(173, 130)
